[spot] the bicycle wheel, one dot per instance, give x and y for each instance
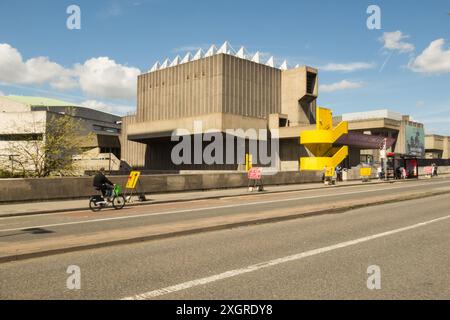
(118, 202)
(94, 206)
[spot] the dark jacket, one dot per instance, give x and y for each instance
(100, 180)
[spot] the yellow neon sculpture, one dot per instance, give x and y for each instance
(320, 143)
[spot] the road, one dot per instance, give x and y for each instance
(315, 257)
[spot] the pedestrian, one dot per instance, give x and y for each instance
(380, 172)
(435, 170)
(404, 176)
(398, 173)
(338, 173)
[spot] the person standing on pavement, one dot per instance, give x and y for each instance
(380, 172)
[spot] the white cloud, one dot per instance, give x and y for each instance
(109, 108)
(97, 77)
(347, 67)
(342, 85)
(434, 59)
(420, 103)
(393, 41)
(104, 78)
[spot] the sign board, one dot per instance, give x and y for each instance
(133, 179)
(248, 162)
(365, 172)
(329, 172)
(428, 170)
(415, 141)
(255, 174)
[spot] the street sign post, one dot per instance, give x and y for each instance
(365, 173)
(255, 179)
(132, 181)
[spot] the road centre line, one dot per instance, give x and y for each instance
(275, 262)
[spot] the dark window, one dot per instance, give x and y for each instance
(114, 151)
(21, 137)
(282, 122)
(107, 129)
(310, 82)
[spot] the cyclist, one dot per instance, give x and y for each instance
(102, 183)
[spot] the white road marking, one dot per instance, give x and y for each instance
(271, 263)
(293, 191)
(190, 201)
(203, 209)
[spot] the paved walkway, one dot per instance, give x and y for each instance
(27, 208)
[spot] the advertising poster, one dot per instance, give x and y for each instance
(415, 141)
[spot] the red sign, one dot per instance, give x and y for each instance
(428, 170)
(255, 174)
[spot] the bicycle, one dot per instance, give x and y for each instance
(98, 202)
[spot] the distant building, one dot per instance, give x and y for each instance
(406, 138)
(224, 90)
(26, 118)
(437, 146)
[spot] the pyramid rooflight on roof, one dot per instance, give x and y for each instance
(225, 48)
(175, 61)
(241, 53)
(187, 58)
(270, 62)
(198, 55)
(284, 65)
(165, 64)
(155, 66)
(257, 57)
(211, 51)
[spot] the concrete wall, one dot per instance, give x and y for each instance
(132, 152)
(186, 90)
(9, 105)
(13, 190)
(16, 190)
(250, 89)
(437, 146)
(293, 89)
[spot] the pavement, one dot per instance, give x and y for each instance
(324, 256)
(26, 208)
(31, 236)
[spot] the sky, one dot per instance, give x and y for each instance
(403, 66)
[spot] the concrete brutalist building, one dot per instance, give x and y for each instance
(25, 119)
(224, 90)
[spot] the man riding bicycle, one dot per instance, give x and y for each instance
(102, 183)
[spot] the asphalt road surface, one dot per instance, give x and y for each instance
(317, 257)
(48, 226)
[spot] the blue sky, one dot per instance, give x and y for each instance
(408, 71)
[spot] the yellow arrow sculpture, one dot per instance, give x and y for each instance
(320, 143)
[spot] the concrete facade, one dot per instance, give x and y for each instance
(223, 92)
(26, 119)
(437, 146)
(383, 123)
